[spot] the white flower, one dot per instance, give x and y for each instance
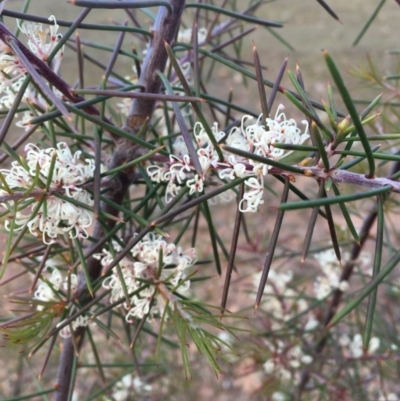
(322, 287)
(252, 198)
(344, 340)
(55, 215)
(49, 289)
(179, 167)
(196, 184)
(156, 173)
(141, 305)
(330, 280)
(42, 41)
(255, 138)
(344, 286)
(355, 346)
(185, 35)
(276, 130)
(80, 321)
(129, 384)
(180, 147)
(269, 366)
(278, 396)
(312, 323)
(201, 135)
(237, 140)
(234, 170)
(374, 344)
(143, 263)
(306, 359)
(388, 397)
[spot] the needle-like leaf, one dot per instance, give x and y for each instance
(352, 111)
(272, 245)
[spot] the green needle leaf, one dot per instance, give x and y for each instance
(369, 22)
(352, 111)
(82, 259)
(207, 215)
(334, 200)
(377, 265)
(236, 16)
(346, 216)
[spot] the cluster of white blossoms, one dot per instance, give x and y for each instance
(281, 302)
(130, 384)
(185, 35)
(141, 266)
(54, 215)
(330, 280)
(278, 396)
(41, 42)
(284, 362)
(52, 288)
(353, 347)
(385, 396)
(48, 290)
(255, 138)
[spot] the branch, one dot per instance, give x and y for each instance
(165, 29)
(343, 177)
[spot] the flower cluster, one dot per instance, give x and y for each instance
(123, 389)
(80, 321)
(142, 266)
(353, 348)
(185, 35)
(62, 171)
(48, 290)
(285, 362)
(288, 314)
(282, 302)
(41, 41)
(52, 288)
(331, 269)
(255, 138)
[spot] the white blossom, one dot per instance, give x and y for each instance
(330, 280)
(142, 264)
(123, 389)
(312, 323)
(284, 360)
(51, 285)
(41, 42)
(185, 35)
(281, 302)
(278, 396)
(196, 184)
(387, 397)
(354, 347)
(55, 215)
(80, 321)
(258, 138)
